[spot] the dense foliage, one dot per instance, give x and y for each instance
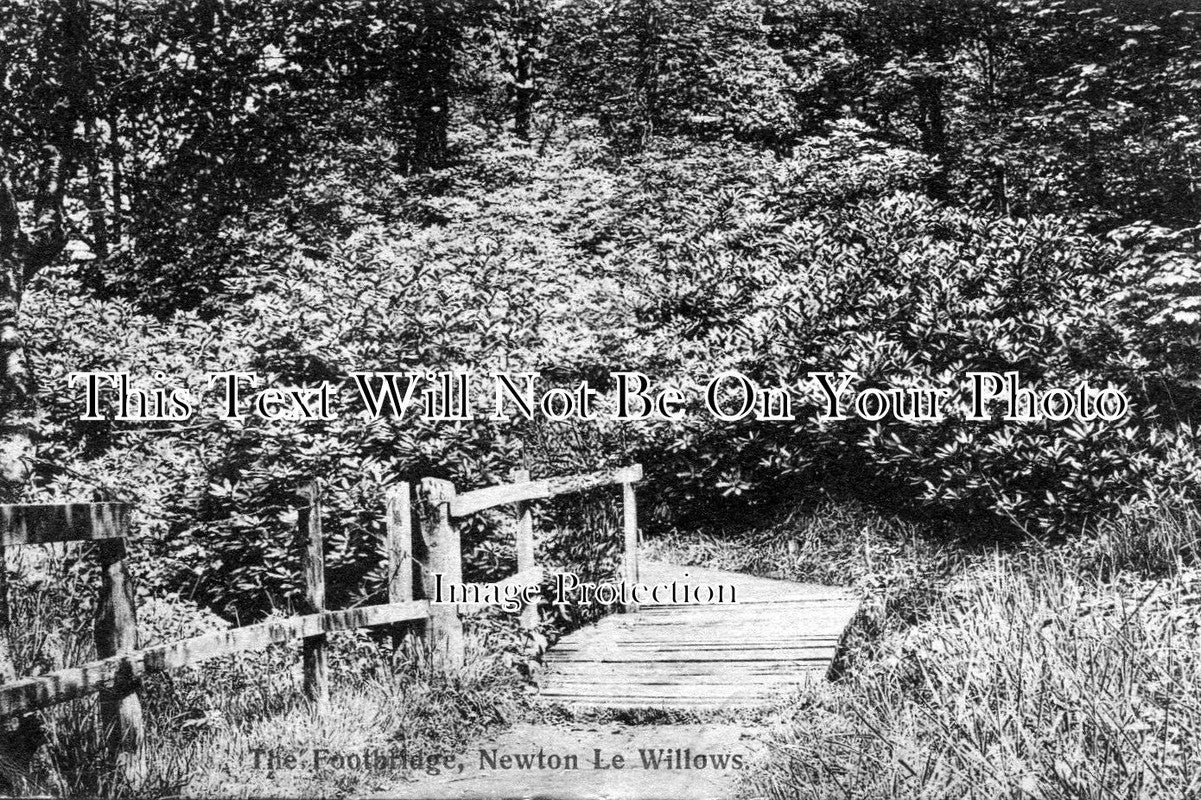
(906, 190)
(832, 262)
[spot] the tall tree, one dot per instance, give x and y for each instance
(645, 68)
(526, 20)
(423, 81)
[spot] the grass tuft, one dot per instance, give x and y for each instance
(1026, 680)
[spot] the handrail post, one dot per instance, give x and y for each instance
(312, 567)
(400, 558)
(116, 633)
(20, 738)
(445, 559)
(630, 528)
(525, 549)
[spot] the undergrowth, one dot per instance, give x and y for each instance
(209, 728)
(1042, 672)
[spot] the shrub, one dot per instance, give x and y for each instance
(835, 264)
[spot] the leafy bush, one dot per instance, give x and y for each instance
(681, 262)
(832, 264)
(336, 278)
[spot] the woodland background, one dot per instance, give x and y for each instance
(909, 189)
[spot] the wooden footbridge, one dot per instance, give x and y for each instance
(775, 635)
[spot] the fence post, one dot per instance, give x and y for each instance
(20, 738)
(116, 633)
(525, 549)
(629, 509)
(400, 558)
(312, 567)
(445, 558)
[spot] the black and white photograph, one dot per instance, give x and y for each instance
(600, 399)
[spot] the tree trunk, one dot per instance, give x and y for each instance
(118, 178)
(527, 31)
(932, 123)
(22, 254)
(646, 79)
(97, 209)
(428, 99)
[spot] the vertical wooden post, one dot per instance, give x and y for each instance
(8, 672)
(630, 528)
(400, 558)
(445, 559)
(20, 737)
(525, 549)
(116, 633)
(312, 567)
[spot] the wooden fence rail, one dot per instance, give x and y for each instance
(435, 630)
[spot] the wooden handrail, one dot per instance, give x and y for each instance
(116, 675)
(31, 694)
(443, 505)
(470, 502)
(47, 523)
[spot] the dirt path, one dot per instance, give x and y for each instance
(686, 658)
(574, 761)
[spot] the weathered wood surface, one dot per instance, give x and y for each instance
(399, 548)
(480, 499)
(525, 550)
(447, 649)
(58, 522)
(629, 524)
(29, 694)
(778, 635)
(312, 571)
(116, 633)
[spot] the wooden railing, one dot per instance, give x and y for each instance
(444, 505)
(432, 629)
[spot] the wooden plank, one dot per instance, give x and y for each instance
(574, 682)
(781, 606)
(371, 616)
(629, 507)
(312, 570)
(445, 558)
(492, 496)
(692, 690)
(399, 549)
(634, 672)
(670, 700)
(569, 484)
(255, 637)
(525, 550)
(116, 633)
(688, 658)
(30, 694)
(58, 522)
(743, 654)
(606, 644)
(647, 666)
(480, 499)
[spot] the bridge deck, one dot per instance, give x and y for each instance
(778, 634)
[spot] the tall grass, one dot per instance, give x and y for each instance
(204, 724)
(416, 715)
(1027, 680)
(1033, 671)
(1156, 540)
